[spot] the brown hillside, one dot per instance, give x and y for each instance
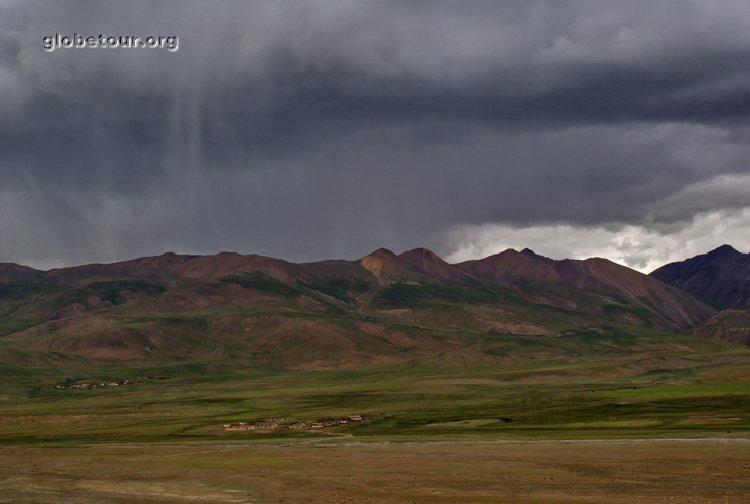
(427, 262)
(231, 263)
(563, 282)
(380, 308)
(386, 266)
(15, 273)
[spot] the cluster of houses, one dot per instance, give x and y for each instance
(93, 385)
(102, 384)
(275, 424)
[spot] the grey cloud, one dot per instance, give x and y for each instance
(309, 129)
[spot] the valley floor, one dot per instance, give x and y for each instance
(605, 471)
(644, 418)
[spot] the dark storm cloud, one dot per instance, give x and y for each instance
(318, 128)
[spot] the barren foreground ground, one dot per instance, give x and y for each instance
(608, 471)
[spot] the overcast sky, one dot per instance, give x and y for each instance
(327, 128)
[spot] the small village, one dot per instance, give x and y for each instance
(277, 424)
(106, 384)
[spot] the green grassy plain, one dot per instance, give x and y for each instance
(625, 386)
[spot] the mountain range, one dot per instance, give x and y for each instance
(382, 307)
(720, 278)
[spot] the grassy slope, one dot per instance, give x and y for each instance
(123, 319)
(259, 319)
(729, 325)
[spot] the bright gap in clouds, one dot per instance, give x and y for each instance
(634, 246)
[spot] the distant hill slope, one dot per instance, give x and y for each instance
(590, 284)
(727, 325)
(381, 308)
(721, 277)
